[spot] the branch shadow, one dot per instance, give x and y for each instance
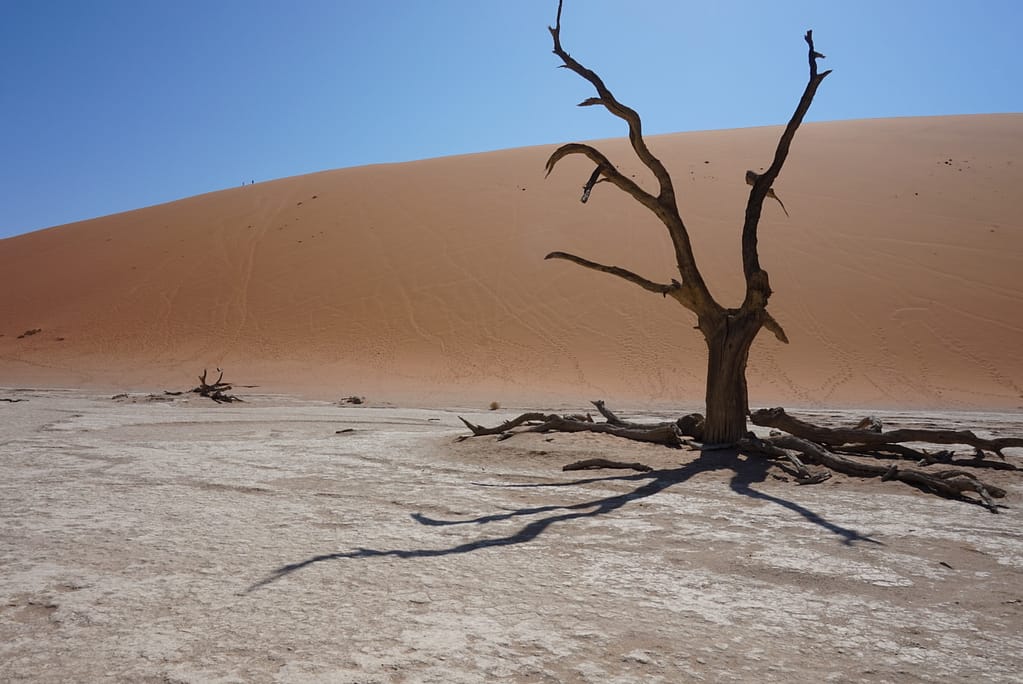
(746, 472)
(756, 470)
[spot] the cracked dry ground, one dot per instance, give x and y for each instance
(179, 541)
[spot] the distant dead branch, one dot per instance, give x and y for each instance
(217, 390)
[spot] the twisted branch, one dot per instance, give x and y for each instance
(663, 205)
(611, 103)
(607, 169)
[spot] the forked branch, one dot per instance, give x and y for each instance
(604, 168)
(611, 103)
(663, 204)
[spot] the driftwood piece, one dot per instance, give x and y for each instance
(777, 418)
(12, 401)
(595, 463)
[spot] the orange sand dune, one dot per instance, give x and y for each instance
(897, 277)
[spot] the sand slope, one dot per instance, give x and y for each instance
(896, 277)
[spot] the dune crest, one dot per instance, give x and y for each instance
(895, 276)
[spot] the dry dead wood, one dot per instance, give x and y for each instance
(925, 458)
(836, 437)
(952, 483)
(797, 468)
(595, 463)
(690, 425)
(668, 434)
(833, 448)
(728, 332)
(217, 390)
(828, 449)
(525, 418)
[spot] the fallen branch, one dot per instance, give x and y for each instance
(667, 434)
(799, 470)
(480, 431)
(595, 463)
(777, 418)
(949, 483)
(690, 425)
(925, 458)
(841, 450)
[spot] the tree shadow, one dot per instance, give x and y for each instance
(756, 470)
(747, 471)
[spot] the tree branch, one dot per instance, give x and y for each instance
(674, 289)
(757, 288)
(948, 483)
(697, 297)
(779, 419)
(607, 169)
(668, 434)
(775, 327)
(627, 114)
(595, 463)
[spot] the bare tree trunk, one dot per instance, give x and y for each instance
(728, 332)
(728, 345)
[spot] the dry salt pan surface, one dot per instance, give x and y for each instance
(181, 541)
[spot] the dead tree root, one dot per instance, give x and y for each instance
(833, 448)
(853, 452)
(951, 483)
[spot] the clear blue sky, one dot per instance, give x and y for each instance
(110, 105)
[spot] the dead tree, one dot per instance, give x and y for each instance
(866, 451)
(728, 332)
(217, 390)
